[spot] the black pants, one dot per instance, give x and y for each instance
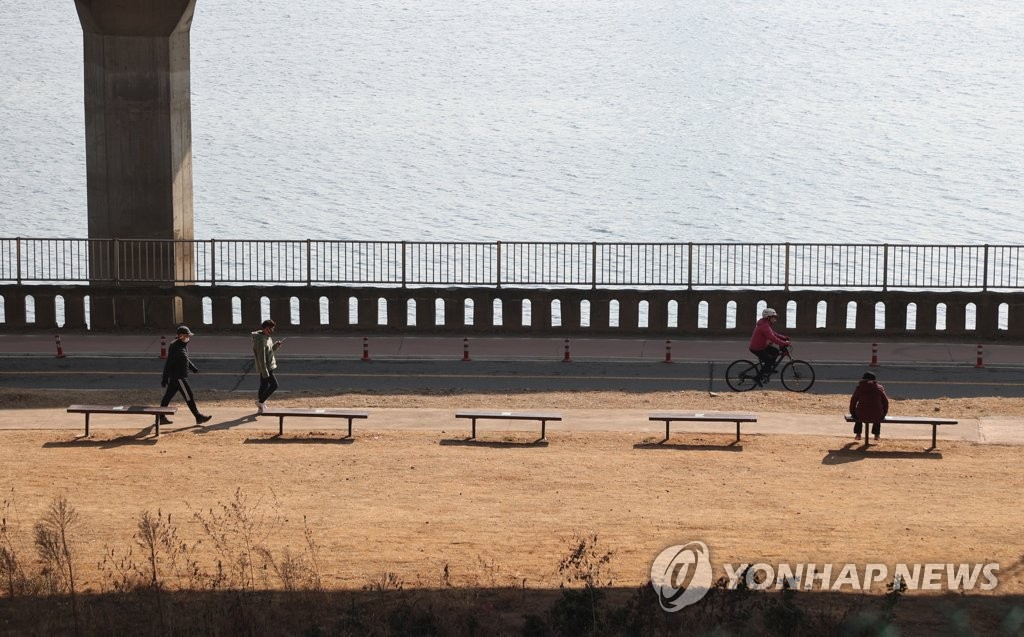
(268, 386)
(180, 385)
(767, 357)
(876, 428)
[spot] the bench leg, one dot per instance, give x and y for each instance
(737, 431)
(473, 435)
(935, 429)
(543, 425)
(350, 427)
(156, 425)
(280, 425)
(666, 429)
(86, 424)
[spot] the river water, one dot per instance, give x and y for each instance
(562, 120)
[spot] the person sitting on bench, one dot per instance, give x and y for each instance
(868, 404)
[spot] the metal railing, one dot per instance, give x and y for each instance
(538, 264)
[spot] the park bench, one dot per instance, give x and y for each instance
(543, 417)
(703, 416)
(912, 420)
(282, 412)
(156, 412)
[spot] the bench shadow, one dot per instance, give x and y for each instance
(856, 451)
(143, 437)
(494, 444)
(277, 439)
(683, 446)
(227, 424)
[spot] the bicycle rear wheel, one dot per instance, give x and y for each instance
(741, 375)
(797, 375)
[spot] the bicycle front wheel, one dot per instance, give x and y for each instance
(797, 375)
(741, 375)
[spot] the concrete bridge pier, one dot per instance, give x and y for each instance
(138, 139)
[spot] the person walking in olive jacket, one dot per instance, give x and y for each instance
(263, 348)
(868, 404)
(175, 377)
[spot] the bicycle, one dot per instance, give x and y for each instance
(796, 375)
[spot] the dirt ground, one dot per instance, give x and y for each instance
(429, 508)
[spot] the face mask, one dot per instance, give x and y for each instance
(185, 340)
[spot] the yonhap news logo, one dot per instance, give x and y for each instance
(681, 575)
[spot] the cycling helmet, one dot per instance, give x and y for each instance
(768, 312)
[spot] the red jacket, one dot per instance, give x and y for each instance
(869, 402)
(764, 334)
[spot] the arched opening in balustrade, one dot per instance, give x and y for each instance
(207, 310)
(702, 315)
(673, 314)
(584, 313)
(851, 315)
(556, 313)
(911, 316)
(760, 307)
(30, 309)
(497, 312)
(3, 309)
(790, 315)
(940, 317)
(527, 313)
(1003, 317)
(295, 311)
(880, 316)
(970, 317)
(821, 315)
(643, 318)
(87, 308)
(325, 310)
(264, 308)
(410, 312)
(59, 314)
(613, 313)
(468, 310)
(730, 315)
(382, 311)
(236, 310)
(353, 310)
(439, 318)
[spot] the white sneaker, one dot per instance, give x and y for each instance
(260, 407)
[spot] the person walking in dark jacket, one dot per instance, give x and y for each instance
(175, 377)
(868, 404)
(263, 348)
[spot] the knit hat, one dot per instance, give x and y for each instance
(868, 376)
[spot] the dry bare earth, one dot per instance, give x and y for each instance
(413, 502)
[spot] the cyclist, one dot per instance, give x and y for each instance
(763, 342)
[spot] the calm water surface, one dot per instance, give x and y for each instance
(583, 120)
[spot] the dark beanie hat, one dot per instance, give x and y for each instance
(868, 376)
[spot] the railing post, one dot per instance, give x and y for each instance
(309, 262)
(213, 262)
(984, 271)
(785, 285)
(689, 265)
(593, 265)
(117, 262)
(403, 264)
(497, 267)
(885, 267)
(17, 258)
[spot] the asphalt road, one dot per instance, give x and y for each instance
(323, 375)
